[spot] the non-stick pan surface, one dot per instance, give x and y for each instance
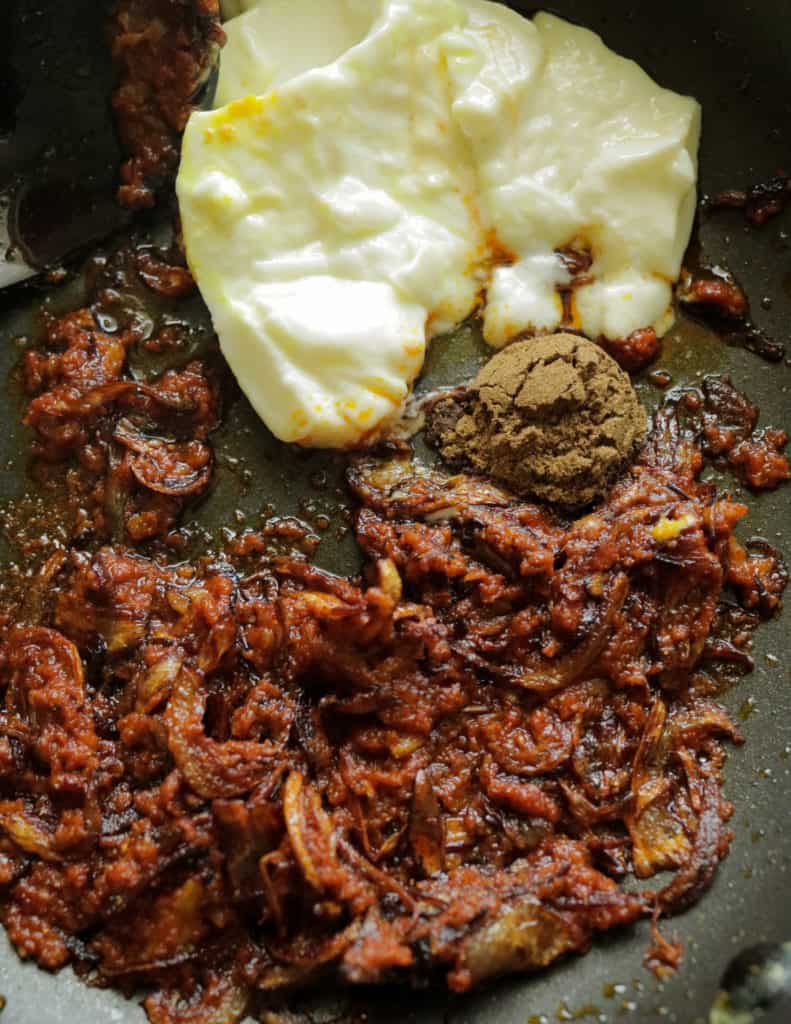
(735, 57)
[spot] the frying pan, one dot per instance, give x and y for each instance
(735, 57)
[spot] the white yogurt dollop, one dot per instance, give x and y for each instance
(393, 164)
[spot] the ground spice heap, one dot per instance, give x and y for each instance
(554, 417)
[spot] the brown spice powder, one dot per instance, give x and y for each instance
(553, 417)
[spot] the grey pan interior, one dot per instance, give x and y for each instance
(735, 57)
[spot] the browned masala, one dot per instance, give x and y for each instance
(219, 780)
(163, 50)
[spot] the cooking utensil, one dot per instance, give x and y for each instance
(737, 63)
(59, 152)
(756, 987)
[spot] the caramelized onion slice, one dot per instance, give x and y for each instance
(25, 831)
(545, 676)
(426, 828)
(708, 849)
(523, 936)
(212, 768)
(175, 468)
(309, 830)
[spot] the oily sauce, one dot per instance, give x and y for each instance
(229, 776)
